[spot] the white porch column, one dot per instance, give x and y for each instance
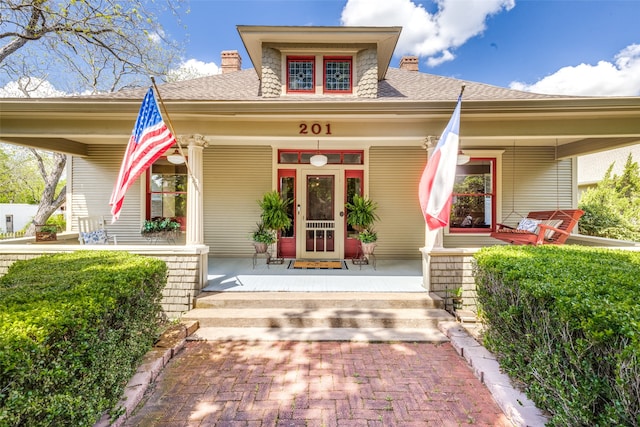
(195, 209)
(433, 239)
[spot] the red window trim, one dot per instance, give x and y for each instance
(326, 59)
(458, 230)
(310, 151)
(149, 193)
(311, 59)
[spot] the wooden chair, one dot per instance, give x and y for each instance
(92, 231)
(549, 231)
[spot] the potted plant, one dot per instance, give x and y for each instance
(361, 213)
(46, 233)
(275, 215)
(456, 299)
(262, 238)
(368, 239)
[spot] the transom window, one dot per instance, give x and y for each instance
(300, 74)
(337, 74)
(474, 197)
(293, 157)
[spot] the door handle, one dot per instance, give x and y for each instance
(341, 213)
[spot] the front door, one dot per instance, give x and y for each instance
(321, 214)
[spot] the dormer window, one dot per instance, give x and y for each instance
(300, 74)
(337, 75)
(319, 74)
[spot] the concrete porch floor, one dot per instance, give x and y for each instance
(239, 275)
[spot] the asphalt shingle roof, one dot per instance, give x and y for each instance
(398, 85)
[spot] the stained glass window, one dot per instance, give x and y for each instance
(337, 75)
(300, 74)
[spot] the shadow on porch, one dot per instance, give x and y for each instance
(239, 275)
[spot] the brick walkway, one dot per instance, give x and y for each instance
(305, 384)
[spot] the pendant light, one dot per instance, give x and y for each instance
(175, 157)
(318, 159)
(462, 158)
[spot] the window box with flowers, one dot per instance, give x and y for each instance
(160, 228)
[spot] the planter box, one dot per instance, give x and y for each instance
(46, 236)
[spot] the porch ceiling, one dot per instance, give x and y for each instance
(575, 126)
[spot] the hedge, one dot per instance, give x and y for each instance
(564, 323)
(73, 329)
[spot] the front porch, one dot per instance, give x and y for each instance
(239, 275)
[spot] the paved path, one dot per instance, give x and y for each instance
(240, 383)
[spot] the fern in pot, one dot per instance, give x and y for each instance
(361, 213)
(275, 212)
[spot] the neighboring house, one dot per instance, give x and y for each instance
(592, 167)
(327, 89)
(16, 216)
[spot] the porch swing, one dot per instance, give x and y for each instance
(539, 227)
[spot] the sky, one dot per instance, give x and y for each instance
(569, 47)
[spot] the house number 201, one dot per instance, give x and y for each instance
(315, 129)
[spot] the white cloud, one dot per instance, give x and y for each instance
(31, 87)
(620, 78)
(192, 69)
(425, 34)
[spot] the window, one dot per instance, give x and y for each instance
(474, 197)
(167, 191)
(337, 74)
(300, 74)
(334, 157)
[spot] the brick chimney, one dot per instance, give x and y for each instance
(409, 63)
(231, 61)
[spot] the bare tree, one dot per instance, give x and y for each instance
(105, 44)
(84, 46)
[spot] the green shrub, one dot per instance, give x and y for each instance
(73, 329)
(565, 324)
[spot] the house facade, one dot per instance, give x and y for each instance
(327, 90)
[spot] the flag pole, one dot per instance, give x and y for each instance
(170, 124)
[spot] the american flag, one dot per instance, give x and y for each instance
(436, 185)
(149, 140)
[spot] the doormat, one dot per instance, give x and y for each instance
(320, 265)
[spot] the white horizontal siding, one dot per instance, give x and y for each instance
(92, 180)
(534, 181)
(235, 178)
(394, 175)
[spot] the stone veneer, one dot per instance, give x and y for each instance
(271, 72)
(367, 69)
(187, 270)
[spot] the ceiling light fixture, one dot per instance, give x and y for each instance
(462, 158)
(176, 158)
(318, 159)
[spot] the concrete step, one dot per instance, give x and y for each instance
(431, 335)
(317, 300)
(277, 317)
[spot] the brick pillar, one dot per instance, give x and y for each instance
(409, 63)
(230, 61)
